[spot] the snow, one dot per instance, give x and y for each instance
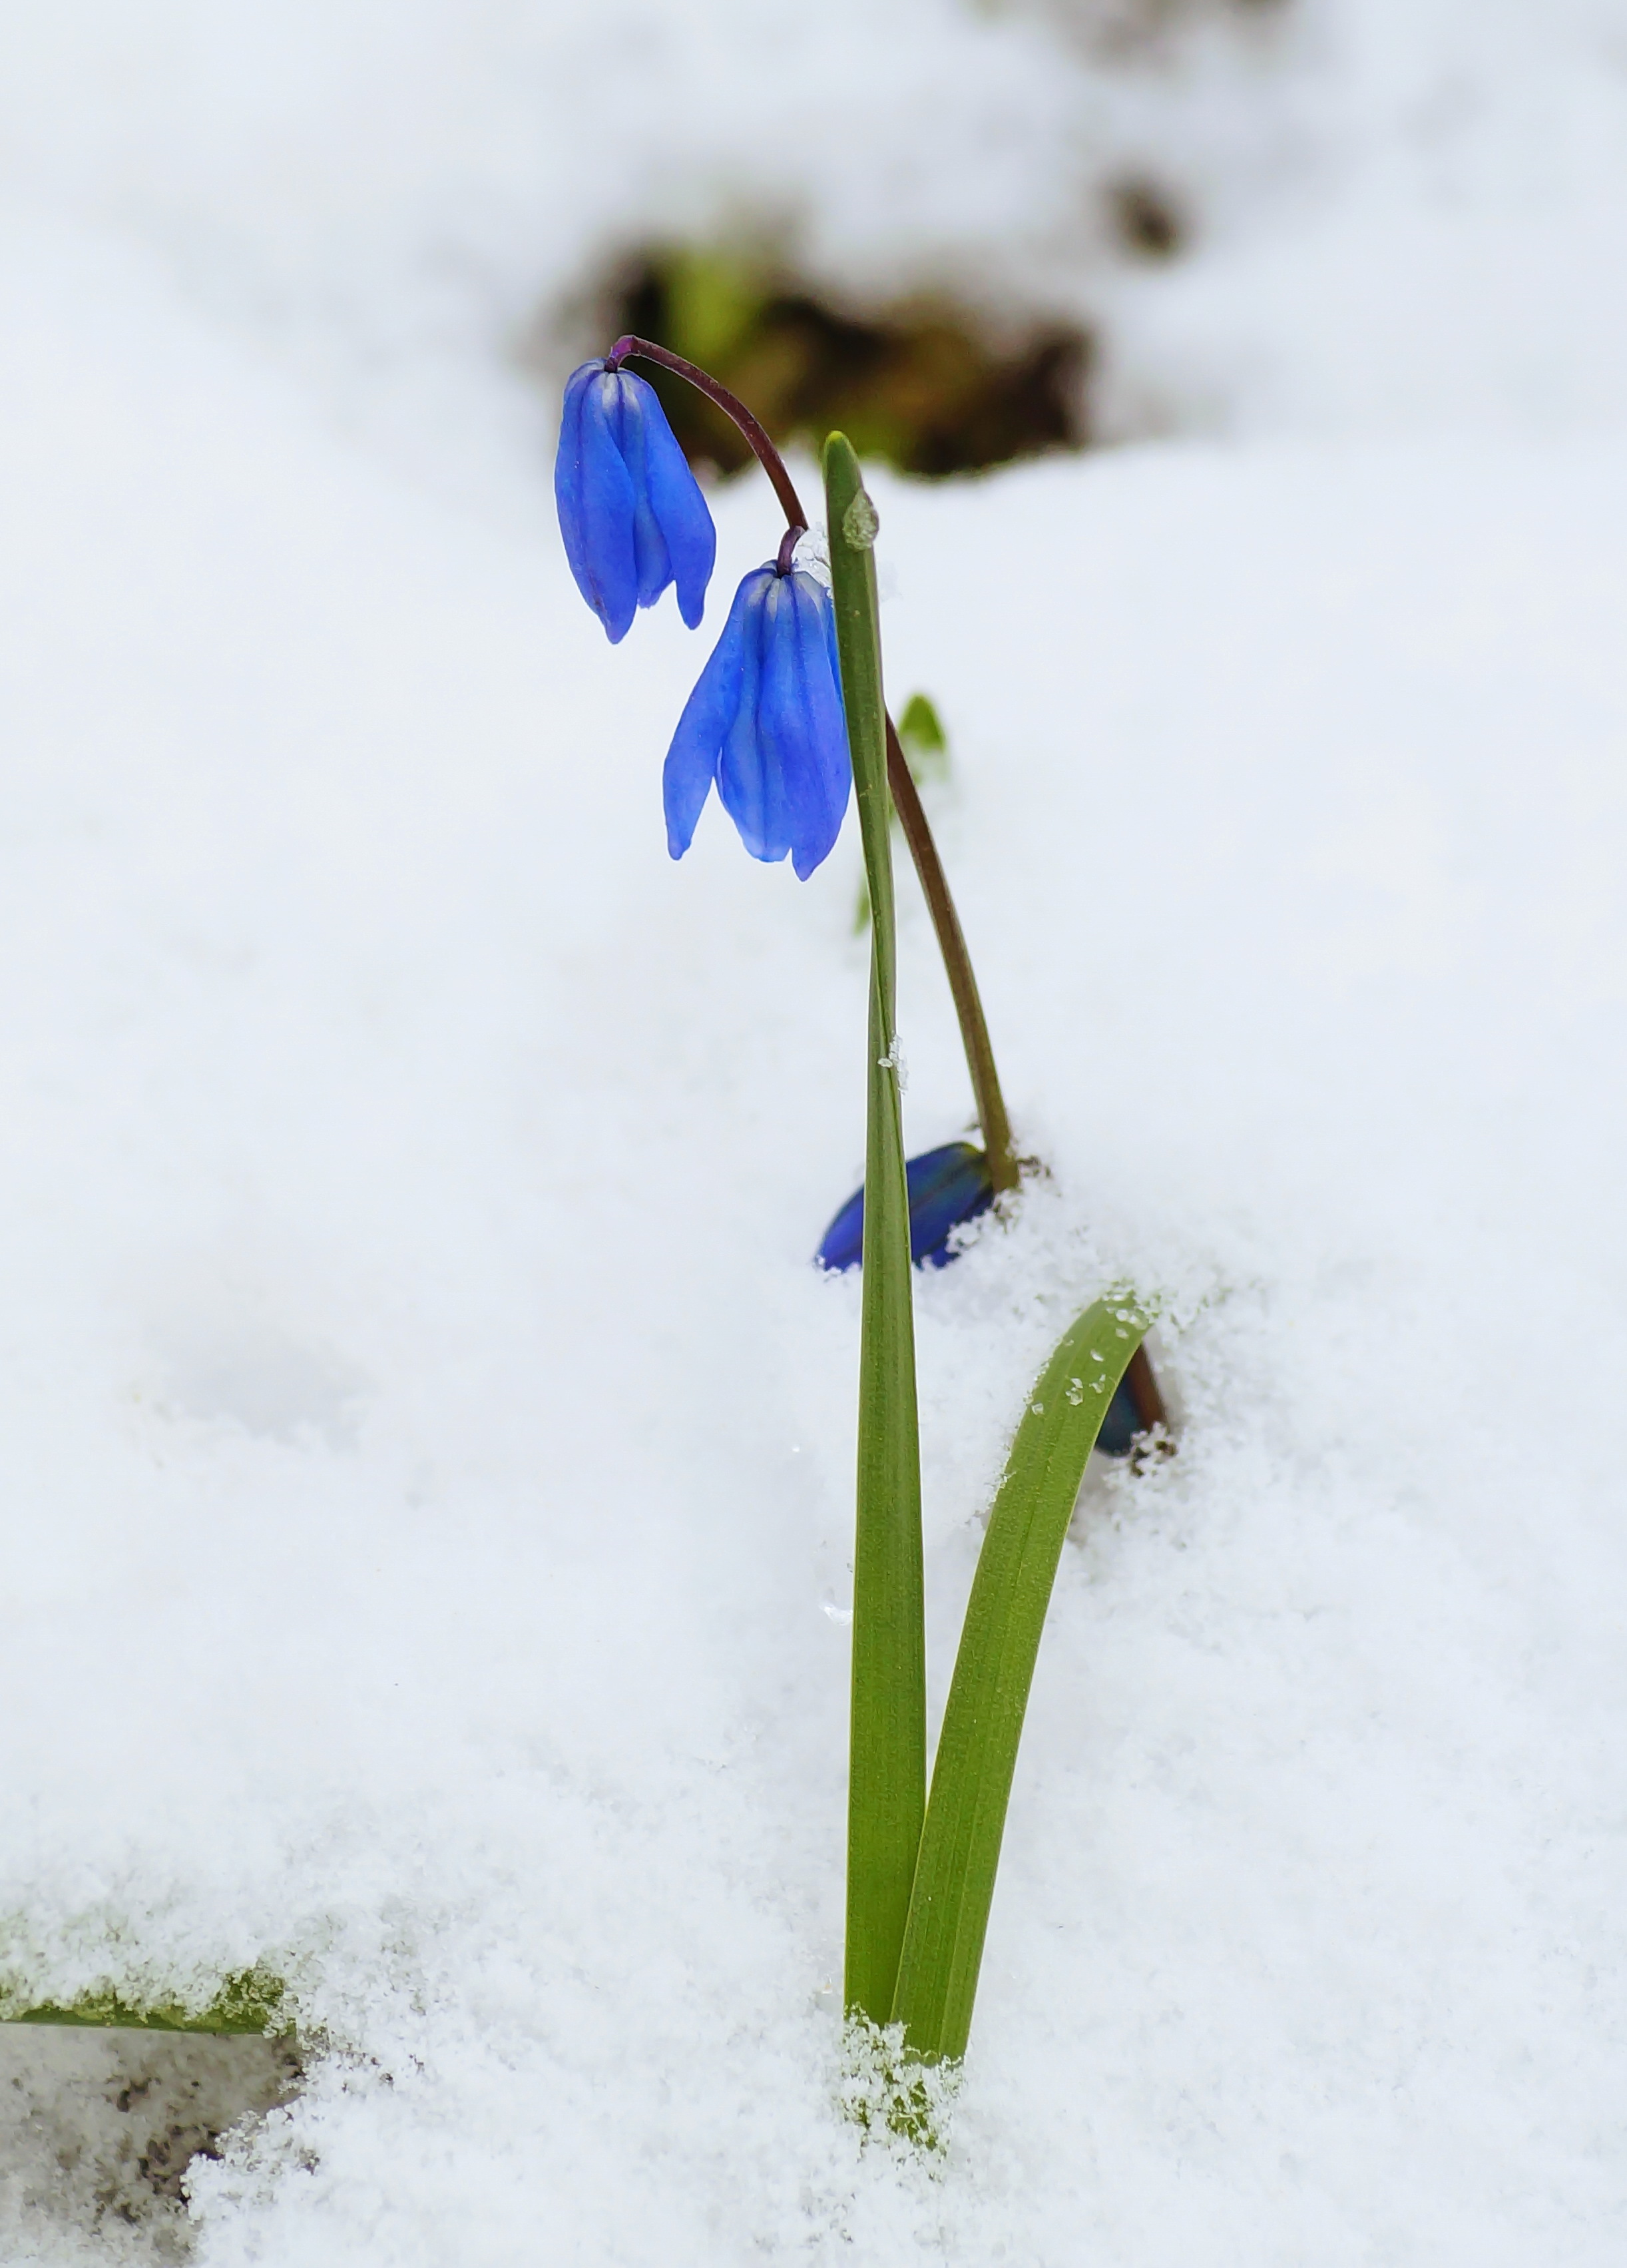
(427, 1450)
(1407, 219)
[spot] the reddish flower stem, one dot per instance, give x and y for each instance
(990, 1102)
(768, 456)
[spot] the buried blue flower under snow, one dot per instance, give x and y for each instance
(765, 722)
(948, 1187)
(633, 519)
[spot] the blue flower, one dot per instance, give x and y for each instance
(629, 511)
(945, 1187)
(1121, 1424)
(766, 723)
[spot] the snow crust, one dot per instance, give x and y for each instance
(427, 1450)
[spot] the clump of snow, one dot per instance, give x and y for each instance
(427, 1447)
(898, 2104)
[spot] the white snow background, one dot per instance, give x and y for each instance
(427, 1450)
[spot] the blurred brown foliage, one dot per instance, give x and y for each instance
(920, 383)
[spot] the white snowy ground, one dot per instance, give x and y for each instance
(427, 1447)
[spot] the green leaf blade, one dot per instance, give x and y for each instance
(887, 1785)
(249, 2001)
(960, 1855)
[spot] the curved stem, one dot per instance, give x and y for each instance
(768, 456)
(996, 1131)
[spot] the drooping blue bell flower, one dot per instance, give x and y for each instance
(630, 509)
(946, 1187)
(765, 722)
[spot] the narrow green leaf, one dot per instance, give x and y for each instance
(249, 2001)
(993, 1672)
(924, 743)
(886, 1783)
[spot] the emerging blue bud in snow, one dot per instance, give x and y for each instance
(945, 1187)
(766, 723)
(629, 511)
(1120, 1425)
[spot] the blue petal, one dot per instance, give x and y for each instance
(784, 776)
(568, 474)
(842, 1244)
(631, 514)
(784, 721)
(596, 504)
(820, 773)
(680, 509)
(947, 1186)
(627, 399)
(766, 723)
(1120, 1425)
(747, 782)
(692, 760)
